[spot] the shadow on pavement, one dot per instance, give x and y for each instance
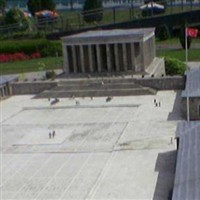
(176, 111)
(165, 166)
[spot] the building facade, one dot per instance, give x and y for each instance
(191, 95)
(109, 51)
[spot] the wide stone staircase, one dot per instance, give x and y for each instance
(96, 88)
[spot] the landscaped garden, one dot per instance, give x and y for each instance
(19, 55)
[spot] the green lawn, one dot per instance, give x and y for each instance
(31, 65)
(57, 62)
(193, 54)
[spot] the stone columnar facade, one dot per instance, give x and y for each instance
(109, 51)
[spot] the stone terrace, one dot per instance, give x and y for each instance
(121, 149)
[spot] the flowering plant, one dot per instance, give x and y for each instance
(8, 57)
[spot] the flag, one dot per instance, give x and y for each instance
(192, 32)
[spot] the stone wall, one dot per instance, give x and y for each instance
(164, 83)
(194, 104)
(20, 88)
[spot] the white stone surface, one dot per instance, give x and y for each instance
(123, 149)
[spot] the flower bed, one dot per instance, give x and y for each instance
(10, 57)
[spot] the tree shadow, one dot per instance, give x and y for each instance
(176, 113)
(165, 166)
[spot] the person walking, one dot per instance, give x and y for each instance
(53, 134)
(49, 135)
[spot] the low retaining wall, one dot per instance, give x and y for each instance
(20, 88)
(164, 83)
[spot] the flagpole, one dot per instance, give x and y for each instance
(188, 107)
(186, 47)
(186, 62)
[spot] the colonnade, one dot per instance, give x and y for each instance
(114, 57)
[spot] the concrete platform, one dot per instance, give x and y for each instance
(122, 149)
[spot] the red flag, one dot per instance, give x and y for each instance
(192, 32)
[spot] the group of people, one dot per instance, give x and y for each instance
(157, 104)
(52, 135)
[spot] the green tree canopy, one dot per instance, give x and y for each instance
(182, 38)
(2, 6)
(15, 16)
(92, 11)
(38, 5)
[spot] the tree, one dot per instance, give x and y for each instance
(2, 6)
(16, 16)
(38, 5)
(182, 38)
(162, 32)
(92, 11)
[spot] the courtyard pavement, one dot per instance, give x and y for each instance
(122, 149)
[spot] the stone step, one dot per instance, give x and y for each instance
(95, 81)
(98, 86)
(96, 93)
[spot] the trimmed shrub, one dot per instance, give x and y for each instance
(174, 66)
(42, 46)
(162, 32)
(53, 48)
(50, 74)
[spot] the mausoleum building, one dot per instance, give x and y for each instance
(109, 51)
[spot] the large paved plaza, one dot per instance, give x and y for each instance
(122, 149)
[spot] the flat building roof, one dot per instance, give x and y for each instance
(110, 36)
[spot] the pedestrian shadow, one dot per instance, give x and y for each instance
(176, 113)
(165, 166)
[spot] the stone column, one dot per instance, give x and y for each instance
(90, 58)
(82, 59)
(74, 59)
(108, 57)
(6, 90)
(142, 56)
(125, 63)
(98, 58)
(116, 52)
(154, 47)
(66, 59)
(3, 91)
(10, 89)
(133, 63)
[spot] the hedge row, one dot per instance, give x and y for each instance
(42, 46)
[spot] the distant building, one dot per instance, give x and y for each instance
(5, 87)
(192, 92)
(109, 51)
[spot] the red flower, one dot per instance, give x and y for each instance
(7, 57)
(35, 55)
